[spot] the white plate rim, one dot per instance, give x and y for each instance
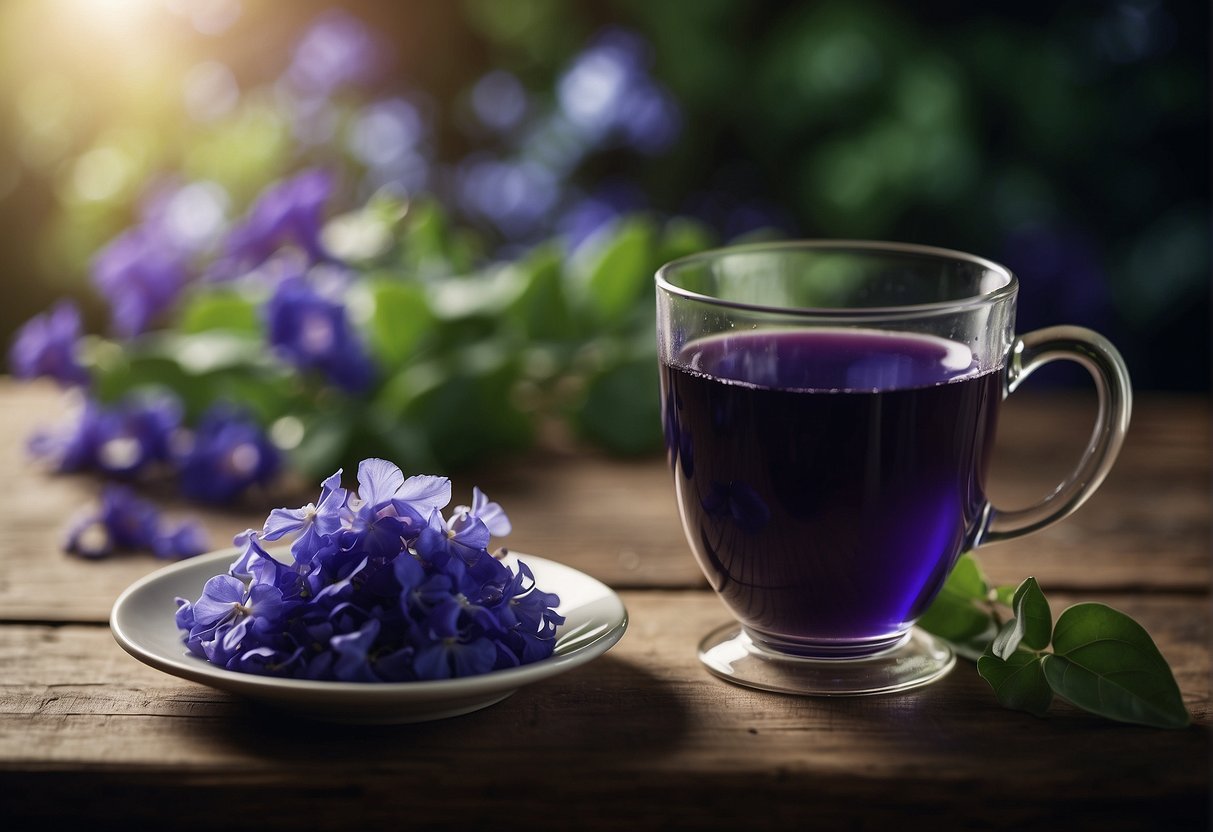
(550, 577)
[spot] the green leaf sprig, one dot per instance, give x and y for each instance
(1101, 661)
(475, 356)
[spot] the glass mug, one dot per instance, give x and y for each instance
(829, 412)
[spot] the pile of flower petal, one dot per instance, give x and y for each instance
(382, 588)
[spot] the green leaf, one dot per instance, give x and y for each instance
(1106, 663)
(1007, 640)
(1032, 624)
(430, 249)
(682, 237)
(487, 294)
(367, 233)
(220, 310)
(614, 272)
(206, 352)
(966, 578)
(399, 320)
(463, 404)
(621, 410)
(1018, 681)
(200, 368)
(1031, 608)
(959, 614)
(541, 310)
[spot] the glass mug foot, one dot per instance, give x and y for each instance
(730, 653)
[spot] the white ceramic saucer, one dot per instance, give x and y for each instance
(143, 622)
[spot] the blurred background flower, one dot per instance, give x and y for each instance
(446, 214)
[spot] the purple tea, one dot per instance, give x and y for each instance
(828, 479)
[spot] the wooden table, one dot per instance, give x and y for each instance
(642, 737)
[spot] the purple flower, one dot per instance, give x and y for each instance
(533, 617)
(47, 345)
(184, 541)
(227, 454)
(449, 656)
(516, 196)
(313, 332)
(352, 663)
(499, 100)
(290, 212)
(381, 483)
(374, 593)
(137, 433)
(124, 522)
(608, 94)
(213, 615)
(253, 560)
(337, 51)
(486, 511)
(142, 273)
(70, 446)
(123, 440)
(221, 600)
(314, 522)
(438, 542)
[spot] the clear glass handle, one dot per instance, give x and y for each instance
(1107, 368)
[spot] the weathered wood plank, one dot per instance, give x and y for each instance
(1148, 527)
(642, 736)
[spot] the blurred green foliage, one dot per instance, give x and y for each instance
(472, 364)
(1070, 141)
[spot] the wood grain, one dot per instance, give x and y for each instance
(1148, 527)
(643, 738)
(644, 730)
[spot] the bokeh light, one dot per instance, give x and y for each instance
(1078, 137)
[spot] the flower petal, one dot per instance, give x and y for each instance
(425, 493)
(378, 481)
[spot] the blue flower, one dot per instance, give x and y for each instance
(312, 332)
(71, 446)
(220, 602)
(533, 620)
(121, 441)
(185, 541)
(231, 617)
(123, 522)
(449, 656)
(438, 542)
(491, 514)
(608, 95)
(48, 345)
(337, 51)
(314, 523)
(227, 454)
(515, 195)
(381, 483)
(141, 273)
(352, 663)
(137, 433)
(381, 588)
(252, 556)
(290, 212)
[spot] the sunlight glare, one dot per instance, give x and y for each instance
(114, 14)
